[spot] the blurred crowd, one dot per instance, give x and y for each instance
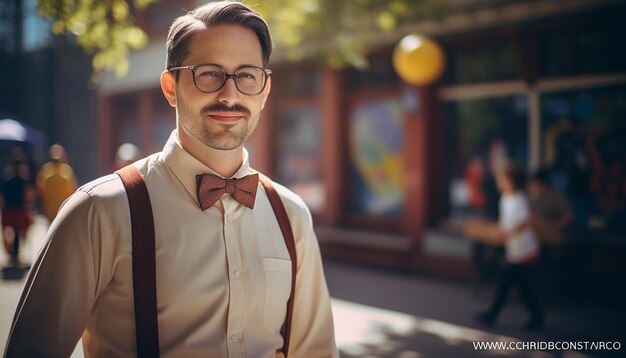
(27, 191)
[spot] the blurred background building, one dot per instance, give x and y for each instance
(44, 84)
(390, 171)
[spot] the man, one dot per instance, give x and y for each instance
(223, 274)
(56, 182)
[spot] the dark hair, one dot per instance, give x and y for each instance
(211, 14)
(542, 175)
(516, 174)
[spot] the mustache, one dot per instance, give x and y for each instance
(222, 107)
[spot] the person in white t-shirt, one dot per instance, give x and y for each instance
(521, 247)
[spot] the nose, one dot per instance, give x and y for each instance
(229, 95)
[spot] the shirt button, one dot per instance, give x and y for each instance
(234, 339)
(237, 274)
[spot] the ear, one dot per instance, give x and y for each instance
(266, 91)
(168, 86)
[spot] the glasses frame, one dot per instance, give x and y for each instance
(266, 73)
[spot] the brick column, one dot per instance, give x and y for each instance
(333, 154)
(418, 157)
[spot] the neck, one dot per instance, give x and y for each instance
(223, 162)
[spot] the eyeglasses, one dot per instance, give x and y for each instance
(249, 80)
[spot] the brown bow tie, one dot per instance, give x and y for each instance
(210, 188)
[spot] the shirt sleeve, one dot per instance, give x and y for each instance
(62, 285)
(312, 330)
(513, 211)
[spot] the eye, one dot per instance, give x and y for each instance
(209, 73)
(246, 75)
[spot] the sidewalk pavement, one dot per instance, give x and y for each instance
(391, 314)
(395, 314)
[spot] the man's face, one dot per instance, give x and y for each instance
(224, 119)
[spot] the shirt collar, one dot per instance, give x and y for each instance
(185, 166)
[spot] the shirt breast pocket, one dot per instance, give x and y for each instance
(277, 289)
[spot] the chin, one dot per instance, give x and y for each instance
(221, 143)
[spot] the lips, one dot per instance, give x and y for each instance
(226, 116)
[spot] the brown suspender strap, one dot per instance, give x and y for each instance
(144, 262)
(285, 227)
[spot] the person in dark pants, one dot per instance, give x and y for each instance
(521, 248)
(15, 214)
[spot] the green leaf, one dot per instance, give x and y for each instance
(103, 28)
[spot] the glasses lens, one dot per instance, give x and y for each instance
(250, 80)
(209, 78)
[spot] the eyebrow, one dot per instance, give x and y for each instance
(236, 68)
(249, 65)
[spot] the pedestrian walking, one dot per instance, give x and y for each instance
(16, 216)
(55, 181)
(221, 277)
(520, 245)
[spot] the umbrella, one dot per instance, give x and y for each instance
(12, 130)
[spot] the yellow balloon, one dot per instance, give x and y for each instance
(418, 60)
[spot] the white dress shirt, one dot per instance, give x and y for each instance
(223, 275)
(523, 245)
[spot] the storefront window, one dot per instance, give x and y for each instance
(583, 147)
(482, 64)
(299, 151)
(376, 180)
(598, 50)
(379, 74)
(481, 136)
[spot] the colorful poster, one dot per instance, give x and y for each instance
(376, 136)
